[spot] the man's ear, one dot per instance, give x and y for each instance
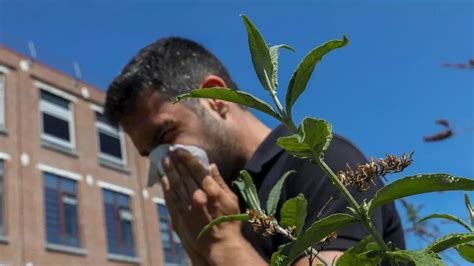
(219, 106)
(213, 81)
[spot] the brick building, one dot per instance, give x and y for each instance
(72, 187)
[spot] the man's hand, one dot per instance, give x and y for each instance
(195, 197)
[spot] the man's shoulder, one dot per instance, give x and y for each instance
(340, 152)
(309, 177)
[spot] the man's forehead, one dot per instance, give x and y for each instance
(146, 101)
(153, 107)
(140, 107)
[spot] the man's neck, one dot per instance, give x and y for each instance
(250, 133)
(253, 133)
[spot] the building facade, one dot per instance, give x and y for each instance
(72, 187)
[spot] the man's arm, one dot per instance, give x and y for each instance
(199, 196)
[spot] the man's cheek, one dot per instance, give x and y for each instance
(187, 139)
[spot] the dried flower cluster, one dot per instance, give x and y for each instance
(368, 172)
(262, 223)
(291, 229)
(326, 240)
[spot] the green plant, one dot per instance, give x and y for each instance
(309, 141)
(466, 249)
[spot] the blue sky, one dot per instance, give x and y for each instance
(383, 91)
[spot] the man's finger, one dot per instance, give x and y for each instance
(169, 194)
(173, 211)
(185, 175)
(192, 164)
(176, 186)
(195, 193)
(165, 183)
(200, 175)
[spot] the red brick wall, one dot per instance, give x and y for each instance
(24, 191)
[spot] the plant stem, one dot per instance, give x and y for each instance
(284, 232)
(277, 103)
(339, 184)
(363, 216)
(285, 118)
(289, 123)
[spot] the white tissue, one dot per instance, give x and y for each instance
(158, 154)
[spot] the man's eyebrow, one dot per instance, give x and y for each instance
(144, 153)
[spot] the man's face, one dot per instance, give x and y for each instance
(155, 120)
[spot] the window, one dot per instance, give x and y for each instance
(61, 210)
(56, 120)
(118, 221)
(110, 138)
(2, 99)
(172, 247)
(2, 207)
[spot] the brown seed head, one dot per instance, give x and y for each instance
(368, 172)
(326, 240)
(262, 223)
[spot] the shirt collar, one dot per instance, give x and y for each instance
(267, 150)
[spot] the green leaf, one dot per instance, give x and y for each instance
(274, 196)
(248, 190)
(274, 53)
(303, 72)
(418, 184)
(226, 218)
(293, 213)
(449, 241)
(357, 255)
(279, 256)
(260, 54)
(470, 210)
(230, 95)
(416, 257)
(448, 217)
(466, 251)
(311, 140)
(317, 231)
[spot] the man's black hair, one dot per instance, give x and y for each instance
(171, 65)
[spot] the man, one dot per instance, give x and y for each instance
(139, 100)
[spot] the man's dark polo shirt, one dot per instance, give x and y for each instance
(270, 162)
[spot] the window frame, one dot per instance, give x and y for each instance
(4, 158)
(171, 234)
(60, 205)
(2, 199)
(3, 89)
(58, 112)
(103, 128)
(119, 210)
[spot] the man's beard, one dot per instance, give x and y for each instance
(221, 145)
